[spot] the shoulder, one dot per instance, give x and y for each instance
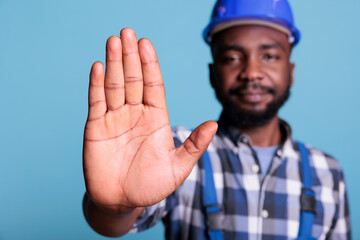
(326, 167)
(323, 160)
(180, 134)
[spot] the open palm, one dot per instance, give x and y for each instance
(129, 154)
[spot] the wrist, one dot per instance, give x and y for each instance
(109, 209)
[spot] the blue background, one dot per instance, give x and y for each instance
(46, 51)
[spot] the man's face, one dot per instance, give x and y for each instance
(251, 73)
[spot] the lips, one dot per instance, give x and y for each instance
(252, 96)
(252, 92)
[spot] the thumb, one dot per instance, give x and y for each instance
(191, 150)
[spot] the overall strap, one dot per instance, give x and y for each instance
(307, 198)
(214, 219)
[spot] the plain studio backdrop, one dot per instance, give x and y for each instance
(48, 47)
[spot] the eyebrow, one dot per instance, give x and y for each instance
(231, 47)
(242, 49)
(239, 48)
(270, 46)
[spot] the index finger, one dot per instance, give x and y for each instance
(154, 91)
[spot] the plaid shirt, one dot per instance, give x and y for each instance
(254, 207)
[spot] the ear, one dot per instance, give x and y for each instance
(292, 73)
(212, 75)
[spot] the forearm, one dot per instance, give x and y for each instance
(111, 222)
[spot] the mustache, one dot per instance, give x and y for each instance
(251, 86)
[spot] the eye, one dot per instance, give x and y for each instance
(270, 57)
(232, 59)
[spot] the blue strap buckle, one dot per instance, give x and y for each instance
(307, 200)
(214, 217)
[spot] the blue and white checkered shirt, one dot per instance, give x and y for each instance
(253, 206)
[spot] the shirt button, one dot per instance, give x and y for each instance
(278, 152)
(255, 168)
(264, 214)
(235, 150)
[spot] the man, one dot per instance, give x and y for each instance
(259, 182)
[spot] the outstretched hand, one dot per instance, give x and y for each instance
(129, 155)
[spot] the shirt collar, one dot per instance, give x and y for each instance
(235, 134)
(286, 149)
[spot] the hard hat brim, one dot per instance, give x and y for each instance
(292, 33)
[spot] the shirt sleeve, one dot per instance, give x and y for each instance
(151, 215)
(341, 225)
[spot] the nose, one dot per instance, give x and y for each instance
(252, 70)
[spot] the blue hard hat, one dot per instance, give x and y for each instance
(276, 14)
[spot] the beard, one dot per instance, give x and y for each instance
(247, 119)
